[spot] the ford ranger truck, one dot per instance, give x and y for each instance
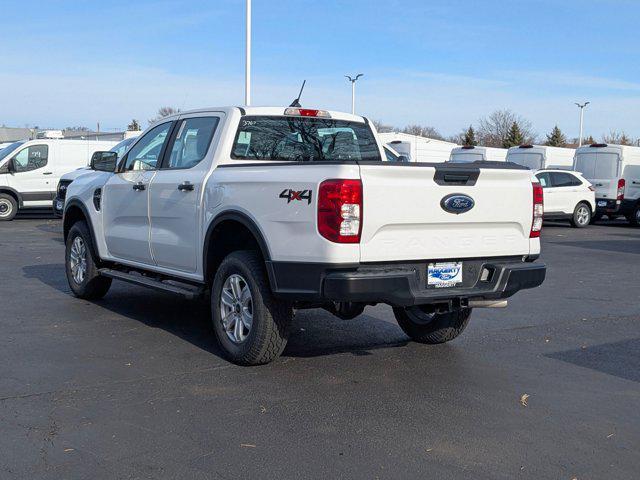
(269, 210)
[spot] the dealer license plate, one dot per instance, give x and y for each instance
(443, 275)
(602, 203)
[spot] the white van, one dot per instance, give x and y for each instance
(417, 148)
(539, 157)
(614, 170)
(470, 153)
(30, 170)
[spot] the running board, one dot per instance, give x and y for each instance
(188, 291)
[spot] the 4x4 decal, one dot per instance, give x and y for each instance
(298, 195)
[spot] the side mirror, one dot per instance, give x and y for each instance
(104, 161)
(403, 159)
(4, 168)
(11, 166)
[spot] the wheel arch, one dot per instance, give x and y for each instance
(246, 235)
(75, 211)
(14, 193)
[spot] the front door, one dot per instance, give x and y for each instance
(176, 192)
(125, 198)
(33, 175)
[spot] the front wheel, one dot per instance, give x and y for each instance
(251, 326)
(581, 216)
(80, 265)
(8, 207)
(431, 328)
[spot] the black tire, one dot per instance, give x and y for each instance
(431, 328)
(581, 217)
(634, 216)
(92, 286)
(8, 207)
(271, 318)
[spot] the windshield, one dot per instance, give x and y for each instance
(303, 139)
(4, 153)
(600, 166)
(529, 160)
(465, 157)
(121, 147)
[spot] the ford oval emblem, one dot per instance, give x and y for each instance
(457, 203)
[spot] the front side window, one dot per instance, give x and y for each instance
(544, 179)
(192, 142)
(303, 139)
(31, 158)
(145, 154)
(121, 147)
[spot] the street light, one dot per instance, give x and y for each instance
(581, 120)
(247, 68)
(353, 91)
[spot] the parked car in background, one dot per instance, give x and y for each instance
(470, 153)
(30, 170)
(538, 157)
(67, 178)
(614, 170)
(567, 196)
(417, 148)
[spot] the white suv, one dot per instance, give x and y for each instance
(567, 195)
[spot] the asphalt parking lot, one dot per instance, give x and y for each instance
(132, 386)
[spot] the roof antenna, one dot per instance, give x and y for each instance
(296, 102)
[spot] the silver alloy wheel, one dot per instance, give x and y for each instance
(236, 308)
(5, 207)
(582, 215)
(78, 260)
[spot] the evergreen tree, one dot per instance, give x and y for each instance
(556, 138)
(134, 126)
(514, 136)
(470, 137)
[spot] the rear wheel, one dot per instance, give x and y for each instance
(80, 263)
(634, 216)
(8, 207)
(431, 328)
(252, 326)
(581, 216)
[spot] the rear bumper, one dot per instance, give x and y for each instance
(403, 284)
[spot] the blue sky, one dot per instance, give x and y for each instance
(444, 64)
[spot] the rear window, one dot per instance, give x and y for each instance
(529, 160)
(303, 139)
(602, 166)
(466, 157)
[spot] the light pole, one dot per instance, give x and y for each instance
(581, 107)
(353, 91)
(247, 67)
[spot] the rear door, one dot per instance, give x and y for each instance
(566, 190)
(601, 169)
(176, 192)
(125, 198)
(403, 216)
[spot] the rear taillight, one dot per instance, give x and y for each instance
(340, 210)
(538, 210)
(592, 188)
(620, 193)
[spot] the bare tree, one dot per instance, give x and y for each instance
(134, 126)
(616, 138)
(493, 130)
(164, 112)
(423, 131)
(382, 127)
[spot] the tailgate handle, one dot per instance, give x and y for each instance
(458, 175)
(457, 179)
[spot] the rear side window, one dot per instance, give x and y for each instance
(192, 142)
(31, 158)
(564, 180)
(544, 179)
(303, 139)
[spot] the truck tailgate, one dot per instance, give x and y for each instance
(403, 218)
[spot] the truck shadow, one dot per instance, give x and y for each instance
(313, 332)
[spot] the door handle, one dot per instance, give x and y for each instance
(139, 186)
(635, 183)
(47, 173)
(185, 187)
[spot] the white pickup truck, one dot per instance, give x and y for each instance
(270, 210)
